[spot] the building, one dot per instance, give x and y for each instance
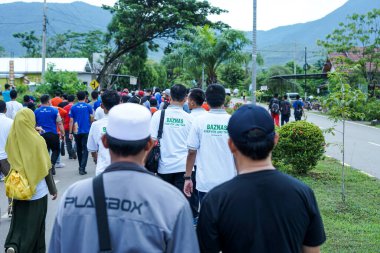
(28, 70)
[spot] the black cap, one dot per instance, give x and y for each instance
(251, 123)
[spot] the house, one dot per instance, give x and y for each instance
(28, 70)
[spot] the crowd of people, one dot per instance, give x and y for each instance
(215, 190)
(283, 107)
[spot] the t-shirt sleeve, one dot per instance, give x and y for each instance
(207, 229)
(183, 238)
(193, 140)
(90, 111)
(92, 145)
(315, 234)
(154, 124)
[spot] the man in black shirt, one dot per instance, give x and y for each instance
(261, 209)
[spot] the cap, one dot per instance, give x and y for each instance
(129, 122)
(141, 93)
(126, 90)
(167, 92)
(246, 120)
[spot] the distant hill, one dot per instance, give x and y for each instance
(278, 46)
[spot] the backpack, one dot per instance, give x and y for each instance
(285, 108)
(298, 109)
(275, 107)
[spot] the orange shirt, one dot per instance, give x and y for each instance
(153, 110)
(206, 106)
(56, 101)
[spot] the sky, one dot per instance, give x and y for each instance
(270, 13)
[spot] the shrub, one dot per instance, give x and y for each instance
(227, 101)
(301, 146)
(372, 110)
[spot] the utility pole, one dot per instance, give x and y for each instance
(305, 67)
(254, 53)
(44, 43)
(203, 77)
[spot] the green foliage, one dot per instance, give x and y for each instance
(63, 81)
(301, 146)
(30, 42)
(227, 101)
(2, 51)
(232, 75)
(21, 89)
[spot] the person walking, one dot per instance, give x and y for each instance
(13, 106)
(298, 108)
(261, 209)
(285, 108)
(6, 124)
(6, 93)
(143, 214)
(28, 154)
(100, 154)
(69, 143)
(48, 118)
(207, 143)
(82, 114)
(274, 108)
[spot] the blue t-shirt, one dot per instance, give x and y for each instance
(80, 112)
(6, 95)
(97, 104)
(158, 98)
(46, 117)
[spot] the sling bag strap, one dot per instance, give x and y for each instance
(161, 127)
(101, 215)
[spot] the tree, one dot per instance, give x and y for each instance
(136, 22)
(203, 46)
(2, 51)
(31, 42)
(361, 36)
(232, 74)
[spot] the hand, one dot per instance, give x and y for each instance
(70, 136)
(62, 137)
(40, 130)
(95, 160)
(188, 188)
(54, 196)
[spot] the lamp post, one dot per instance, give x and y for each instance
(254, 53)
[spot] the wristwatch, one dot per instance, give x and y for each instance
(186, 177)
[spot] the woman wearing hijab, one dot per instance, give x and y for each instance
(28, 155)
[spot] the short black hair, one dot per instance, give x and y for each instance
(31, 106)
(64, 96)
(7, 86)
(215, 95)
(3, 106)
(58, 93)
(13, 94)
(81, 95)
(26, 98)
(157, 90)
(275, 95)
(298, 97)
(198, 96)
(70, 98)
(126, 148)
(153, 102)
(94, 94)
(110, 98)
(44, 99)
(285, 96)
(125, 99)
(259, 148)
(178, 92)
(118, 89)
(135, 100)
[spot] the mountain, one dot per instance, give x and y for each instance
(278, 46)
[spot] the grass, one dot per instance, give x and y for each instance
(354, 225)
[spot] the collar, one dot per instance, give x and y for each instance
(198, 109)
(126, 166)
(175, 107)
(218, 111)
(2, 115)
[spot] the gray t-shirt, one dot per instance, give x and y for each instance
(145, 214)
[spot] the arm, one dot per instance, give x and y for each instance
(188, 186)
(307, 249)
(51, 185)
(71, 128)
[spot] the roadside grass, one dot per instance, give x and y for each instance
(353, 226)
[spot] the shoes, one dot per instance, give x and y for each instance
(74, 156)
(82, 172)
(10, 212)
(60, 165)
(53, 171)
(10, 250)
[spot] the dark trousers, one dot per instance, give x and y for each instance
(69, 145)
(27, 230)
(177, 180)
(201, 196)
(82, 152)
(284, 119)
(52, 142)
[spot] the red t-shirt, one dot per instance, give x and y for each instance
(67, 108)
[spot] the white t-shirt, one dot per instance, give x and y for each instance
(99, 113)
(177, 124)
(195, 113)
(6, 124)
(209, 136)
(12, 108)
(94, 144)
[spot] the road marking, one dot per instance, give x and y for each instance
(372, 143)
(347, 121)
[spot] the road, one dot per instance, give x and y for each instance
(64, 178)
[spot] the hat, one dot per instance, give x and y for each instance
(167, 92)
(126, 90)
(129, 122)
(246, 120)
(141, 93)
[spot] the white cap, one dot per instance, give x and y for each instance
(129, 122)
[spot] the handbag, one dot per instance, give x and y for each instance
(63, 148)
(17, 186)
(154, 156)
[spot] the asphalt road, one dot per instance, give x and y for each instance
(64, 178)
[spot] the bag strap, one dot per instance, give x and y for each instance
(161, 127)
(101, 215)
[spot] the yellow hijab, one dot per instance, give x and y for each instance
(26, 149)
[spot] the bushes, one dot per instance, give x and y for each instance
(301, 146)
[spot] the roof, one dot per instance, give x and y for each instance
(353, 55)
(34, 65)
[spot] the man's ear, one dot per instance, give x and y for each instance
(149, 145)
(232, 146)
(105, 141)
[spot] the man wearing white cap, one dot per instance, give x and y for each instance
(143, 213)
